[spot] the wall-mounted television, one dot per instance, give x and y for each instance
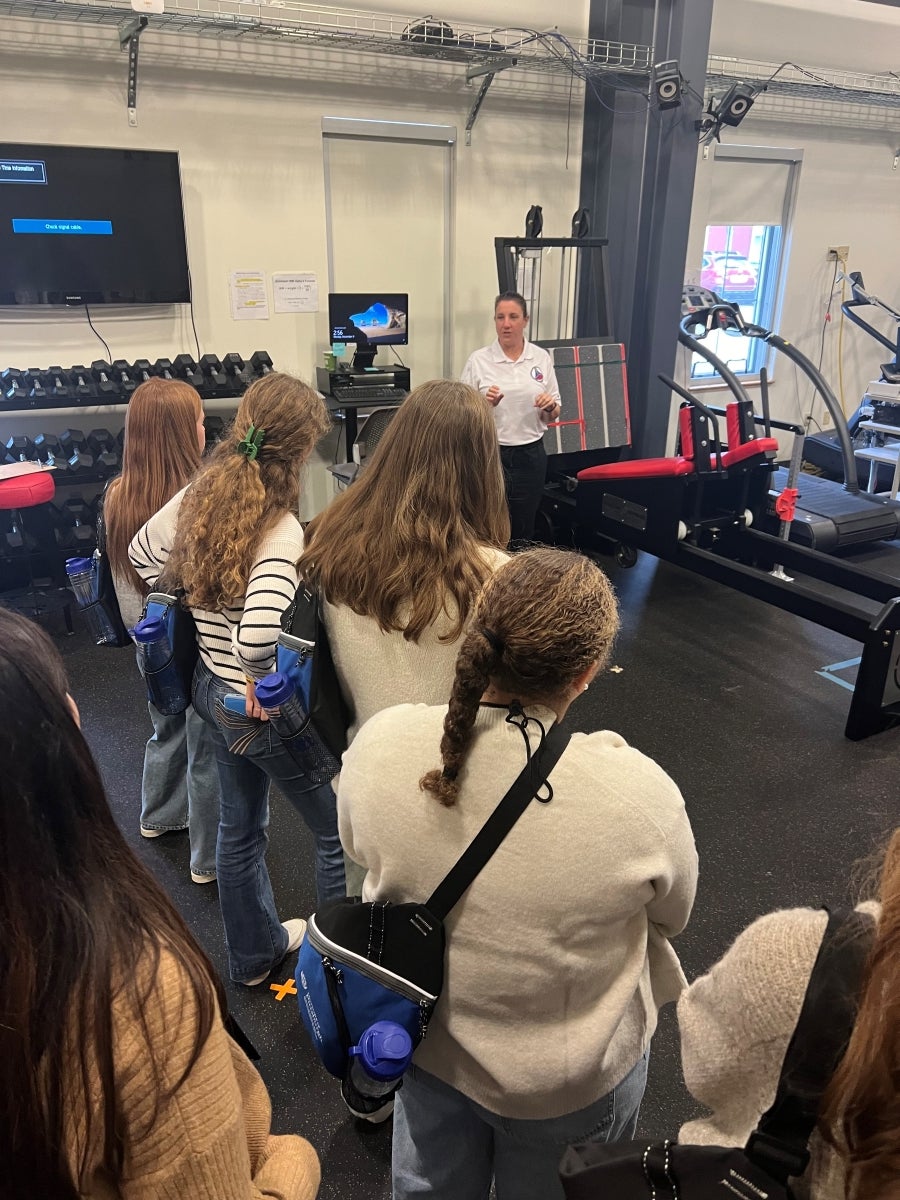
(80, 225)
(369, 318)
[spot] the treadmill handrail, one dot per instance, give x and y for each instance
(707, 317)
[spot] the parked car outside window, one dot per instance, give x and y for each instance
(729, 274)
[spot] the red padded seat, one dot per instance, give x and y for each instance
(24, 491)
(638, 468)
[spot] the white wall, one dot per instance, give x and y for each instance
(849, 193)
(246, 120)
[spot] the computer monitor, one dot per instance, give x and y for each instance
(370, 319)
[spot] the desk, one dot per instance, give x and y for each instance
(888, 453)
(326, 380)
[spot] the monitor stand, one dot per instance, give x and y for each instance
(364, 358)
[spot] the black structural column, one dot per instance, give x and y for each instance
(637, 179)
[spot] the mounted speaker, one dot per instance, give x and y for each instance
(667, 84)
(735, 104)
(534, 221)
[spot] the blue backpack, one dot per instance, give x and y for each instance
(365, 962)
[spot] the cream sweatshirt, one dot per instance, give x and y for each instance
(558, 954)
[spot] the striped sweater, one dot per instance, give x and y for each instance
(240, 640)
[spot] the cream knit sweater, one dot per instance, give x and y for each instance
(377, 669)
(558, 954)
(736, 1023)
(212, 1140)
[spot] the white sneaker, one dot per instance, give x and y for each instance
(295, 930)
(198, 878)
(152, 833)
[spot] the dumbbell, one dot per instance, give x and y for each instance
(74, 450)
(142, 370)
(261, 362)
(12, 384)
(163, 368)
(238, 373)
(33, 382)
(46, 447)
(56, 383)
(82, 383)
(15, 541)
(185, 368)
(212, 370)
(103, 447)
(214, 426)
(121, 374)
(77, 525)
(102, 373)
(19, 449)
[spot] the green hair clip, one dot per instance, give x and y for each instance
(252, 443)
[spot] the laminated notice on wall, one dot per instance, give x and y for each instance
(151, 6)
(295, 292)
(249, 298)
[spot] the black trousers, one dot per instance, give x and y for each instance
(524, 472)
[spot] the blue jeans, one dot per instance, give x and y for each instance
(448, 1147)
(180, 783)
(255, 937)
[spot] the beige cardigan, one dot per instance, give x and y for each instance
(736, 1023)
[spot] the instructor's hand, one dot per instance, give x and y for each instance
(548, 405)
(493, 395)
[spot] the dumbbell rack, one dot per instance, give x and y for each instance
(82, 395)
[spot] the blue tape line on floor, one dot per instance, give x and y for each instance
(828, 672)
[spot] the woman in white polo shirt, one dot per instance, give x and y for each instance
(518, 381)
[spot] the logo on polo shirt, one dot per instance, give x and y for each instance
(537, 374)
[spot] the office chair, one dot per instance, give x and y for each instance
(367, 439)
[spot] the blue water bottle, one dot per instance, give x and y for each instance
(377, 1064)
(157, 660)
(82, 575)
(277, 694)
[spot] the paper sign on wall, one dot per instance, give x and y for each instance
(249, 298)
(151, 6)
(295, 292)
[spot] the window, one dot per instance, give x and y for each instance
(744, 246)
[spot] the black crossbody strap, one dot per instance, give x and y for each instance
(779, 1142)
(499, 823)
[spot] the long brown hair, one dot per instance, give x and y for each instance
(82, 924)
(406, 541)
(860, 1114)
(235, 499)
(160, 455)
(544, 618)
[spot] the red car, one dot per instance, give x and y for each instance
(729, 274)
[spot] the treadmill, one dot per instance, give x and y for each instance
(829, 516)
(882, 399)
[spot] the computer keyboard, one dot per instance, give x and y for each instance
(359, 393)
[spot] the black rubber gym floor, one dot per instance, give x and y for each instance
(724, 692)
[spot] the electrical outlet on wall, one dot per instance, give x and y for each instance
(839, 253)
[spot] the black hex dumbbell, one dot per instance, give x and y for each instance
(75, 451)
(19, 448)
(163, 368)
(102, 373)
(142, 370)
(46, 447)
(12, 385)
(33, 381)
(214, 426)
(105, 450)
(57, 384)
(83, 387)
(261, 363)
(80, 533)
(15, 540)
(185, 368)
(122, 375)
(238, 373)
(212, 371)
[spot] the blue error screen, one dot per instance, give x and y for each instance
(14, 170)
(30, 225)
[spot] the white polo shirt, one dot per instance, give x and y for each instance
(521, 381)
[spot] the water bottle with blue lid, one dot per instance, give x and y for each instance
(379, 1060)
(83, 580)
(158, 661)
(277, 694)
